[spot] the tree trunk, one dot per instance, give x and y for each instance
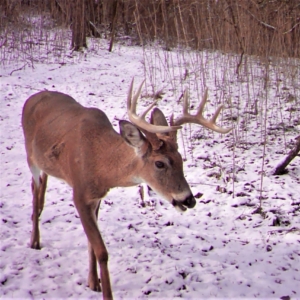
(114, 23)
(92, 18)
(79, 25)
(280, 169)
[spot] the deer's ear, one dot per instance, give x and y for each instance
(131, 134)
(158, 118)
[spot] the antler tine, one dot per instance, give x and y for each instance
(198, 118)
(140, 120)
(216, 114)
(129, 96)
(202, 103)
(132, 101)
(136, 95)
(185, 108)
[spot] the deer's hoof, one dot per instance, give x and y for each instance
(35, 245)
(94, 285)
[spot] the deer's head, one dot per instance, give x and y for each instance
(155, 144)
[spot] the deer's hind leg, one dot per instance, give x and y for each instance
(42, 190)
(38, 187)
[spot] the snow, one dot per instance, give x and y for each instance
(219, 249)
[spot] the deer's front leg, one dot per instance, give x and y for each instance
(87, 213)
(93, 279)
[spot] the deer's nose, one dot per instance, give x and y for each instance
(189, 202)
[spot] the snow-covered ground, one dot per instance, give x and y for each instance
(219, 249)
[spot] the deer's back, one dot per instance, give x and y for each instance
(59, 132)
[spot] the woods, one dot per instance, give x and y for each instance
(263, 29)
(260, 27)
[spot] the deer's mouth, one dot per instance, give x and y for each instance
(178, 205)
(189, 202)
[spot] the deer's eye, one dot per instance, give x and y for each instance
(159, 164)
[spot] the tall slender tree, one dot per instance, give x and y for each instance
(78, 25)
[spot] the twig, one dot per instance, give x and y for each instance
(264, 142)
(290, 30)
(261, 22)
(288, 230)
(3, 43)
(17, 69)
(95, 28)
(237, 71)
(280, 169)
(202, 183)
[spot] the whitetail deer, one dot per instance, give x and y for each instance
(79, 145)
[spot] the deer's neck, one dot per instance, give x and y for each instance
(118, 164)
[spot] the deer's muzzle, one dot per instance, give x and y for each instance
(189, 202)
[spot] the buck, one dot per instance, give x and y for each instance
(79, 145)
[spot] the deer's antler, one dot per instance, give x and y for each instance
(140, 120)
(198, 118)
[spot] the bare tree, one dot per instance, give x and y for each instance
(78, 25)
(114, 23)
